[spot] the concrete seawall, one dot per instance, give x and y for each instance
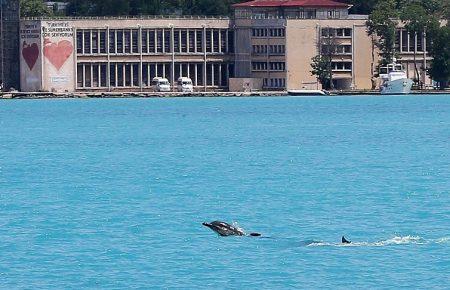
(77, 95)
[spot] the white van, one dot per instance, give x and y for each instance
(185, 85)
(161, 84)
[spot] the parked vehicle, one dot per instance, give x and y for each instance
(161, 84)
(185, 85)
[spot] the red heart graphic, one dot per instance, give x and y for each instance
(30, 53)
(58, 53)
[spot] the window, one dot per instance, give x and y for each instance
(276, 32)
(404, 40)
(277, 49)
(112, 41)
(259, 49)
(223, 40)
(412, 42)
(208, 40)
(176, 41)
(277, 66)
(144, 40)
(87, 75)
(341, 66)
(199, 40)
(259, 32)
(167, 41)
(135, 75)
(102, 41)
(333, 14)
(151, 41)
(230, 41)
(310, 14)
(347, 32)
(103, 75)
(79, 41)
(275, 83)
(347, 48)
(119, 38)
(87, 41)
(79, 75)
(183, 41)
(191, 38)
(95, 80)
(328, 32)
(94, 41)
(134, 41)
(159, 41)
(120, 74)
(112, 75)
(216, 40)
(127, 74)
(127, 41)
(420, 42)
(259, 66)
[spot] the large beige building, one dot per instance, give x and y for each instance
(113, 54)
(267, 45)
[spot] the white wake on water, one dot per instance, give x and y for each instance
(396, 240)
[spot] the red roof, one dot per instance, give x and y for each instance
(293, 3)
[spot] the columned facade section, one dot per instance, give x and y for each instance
(127, 58)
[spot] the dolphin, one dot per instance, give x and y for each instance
(224, 229)
(345, 241)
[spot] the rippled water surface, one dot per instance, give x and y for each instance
(111, 193)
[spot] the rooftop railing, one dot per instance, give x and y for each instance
(140, 17)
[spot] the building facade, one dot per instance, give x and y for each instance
(266, 45)
(9, 44)
(111, 54)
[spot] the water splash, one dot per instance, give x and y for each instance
(236, 225)
(396, 240)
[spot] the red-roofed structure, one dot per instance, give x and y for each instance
(293, 3)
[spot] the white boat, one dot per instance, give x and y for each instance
(394, 80)
(307, 93)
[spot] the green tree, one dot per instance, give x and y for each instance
(440, 51)
(362, 7)
(382, 25)
(321, 68)
(322, 64)
(98, 7)
(419, 20)
(210, 7)
(80, 7)
(34, 8)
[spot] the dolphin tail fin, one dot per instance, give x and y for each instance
(345, 241)
(254, 234)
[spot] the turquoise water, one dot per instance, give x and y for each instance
(111, 193)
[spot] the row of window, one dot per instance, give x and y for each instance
(340, 65)
(302, 14)
(94, 75)
(290, 13)
(336, 49)
(271, 49)
(274, 83)
(273, 66)
(268, 32)
(336, 32)
(94, 41)
(409, 42)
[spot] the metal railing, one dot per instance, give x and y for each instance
(140, 17)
